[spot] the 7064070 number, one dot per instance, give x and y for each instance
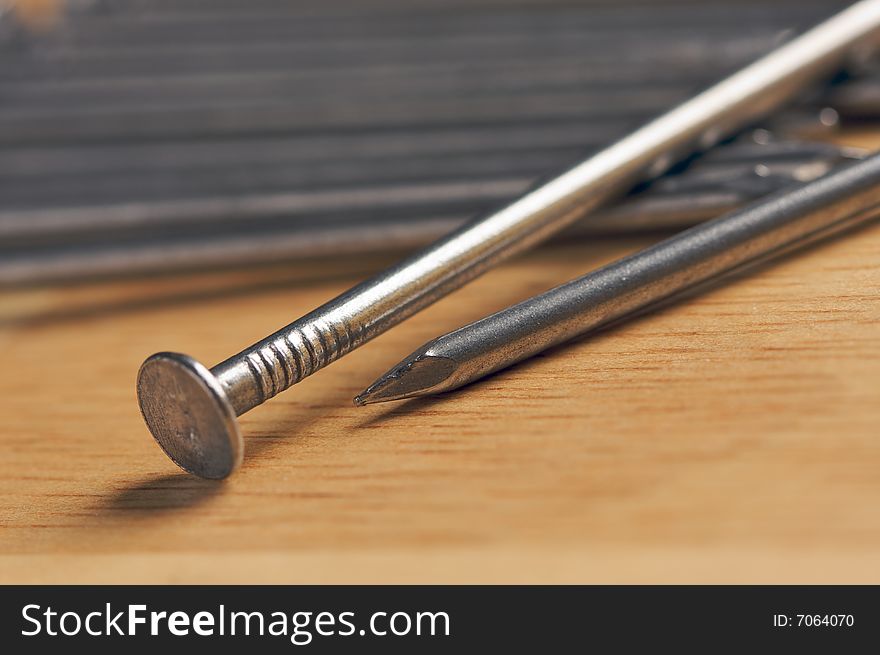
(830, 620)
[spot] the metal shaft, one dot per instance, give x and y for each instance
(841, 198)
(204, 439)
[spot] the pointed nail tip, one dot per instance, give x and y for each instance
(383, 391)
(363, 402)
(371, 397)
(405, 381)
(374, 393)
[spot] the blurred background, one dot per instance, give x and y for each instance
(152, 137)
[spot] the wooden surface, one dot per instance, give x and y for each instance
(733, 437)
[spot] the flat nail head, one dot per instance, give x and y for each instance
(189, 415)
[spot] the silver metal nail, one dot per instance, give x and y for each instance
(773, 225)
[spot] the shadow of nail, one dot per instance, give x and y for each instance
(422, 405)
(161, 495)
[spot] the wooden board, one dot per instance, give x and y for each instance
(733, 437)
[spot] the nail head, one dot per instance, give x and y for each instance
(189, 415)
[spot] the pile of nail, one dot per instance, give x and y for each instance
(166, 135)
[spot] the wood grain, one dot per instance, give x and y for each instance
(732, 437)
